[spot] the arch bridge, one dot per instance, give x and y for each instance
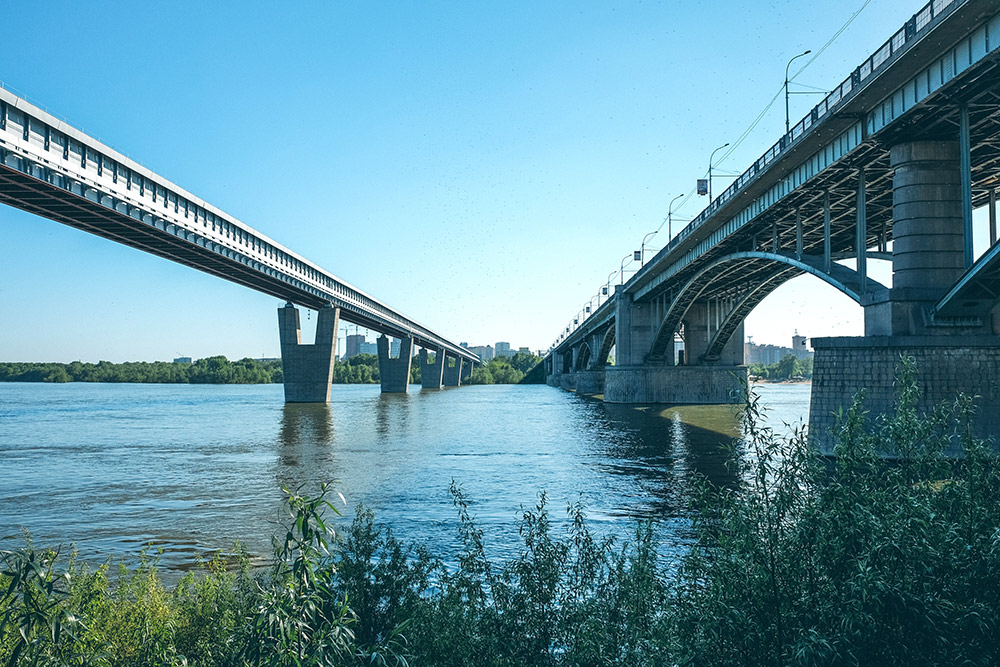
(890, 165)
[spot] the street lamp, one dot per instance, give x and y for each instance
(805, 53)
(608, 285)
(710, 170)
(642, 248)
(670, 234)
(622, 267)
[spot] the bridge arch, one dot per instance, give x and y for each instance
(778, 269)
(582, 357)
(607, 342)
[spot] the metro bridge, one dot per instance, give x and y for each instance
(56, 171)
(890, 165)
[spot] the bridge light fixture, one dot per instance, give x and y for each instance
(805, 53)
(670, 207)
(709, 184)
(642, 247)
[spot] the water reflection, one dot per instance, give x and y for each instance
(391, 413)
(305, 442)
(667, 450)
(113, 466)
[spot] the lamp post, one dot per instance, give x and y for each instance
(710, 157)
(805, 53)
(642, 248)
(622, 267)
(670, 233)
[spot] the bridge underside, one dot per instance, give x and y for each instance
(133, 227)
(897, 181)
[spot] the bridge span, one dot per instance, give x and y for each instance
(890, 165)
(58, 172)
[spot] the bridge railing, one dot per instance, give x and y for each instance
(43, 146)
(912, 30)
(915, 28)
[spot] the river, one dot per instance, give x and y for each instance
(110, 468)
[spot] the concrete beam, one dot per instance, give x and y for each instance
(307, 369)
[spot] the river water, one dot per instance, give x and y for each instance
(110, 468)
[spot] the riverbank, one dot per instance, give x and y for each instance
(859, 563)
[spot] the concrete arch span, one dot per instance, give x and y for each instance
(772, 270)
(582, 357)
(607, 342)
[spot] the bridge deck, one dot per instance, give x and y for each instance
(56, 171)
(947, 54)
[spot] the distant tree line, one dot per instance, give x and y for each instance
(507, 370)
(211, 370)
(359, 369)
(786, 369)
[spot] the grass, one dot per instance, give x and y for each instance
(807, 562)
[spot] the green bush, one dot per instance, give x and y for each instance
(859, 561)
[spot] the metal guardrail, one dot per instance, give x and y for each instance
(37, 140)
(912, 30)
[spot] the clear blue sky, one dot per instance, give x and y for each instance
(481, 166)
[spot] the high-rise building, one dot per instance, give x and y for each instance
(369, 348)
(799, 346)
(393, 347)
(485, 352)
(353, 346)
(501, 349)
(523, 350)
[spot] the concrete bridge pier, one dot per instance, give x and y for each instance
(452, 371)
(307, 369)
(930, 253)
(431, 372)
(467, 368)
(394, 373)
(636, 378)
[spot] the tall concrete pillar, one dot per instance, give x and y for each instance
(635, 379)
(453, 371)
(696, 333)
(467, 368)
(307, 369)
(634, 330)
(928, 243)
(431, 373)
(928, 257)
(394, 373)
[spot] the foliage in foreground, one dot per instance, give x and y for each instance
(860, 561)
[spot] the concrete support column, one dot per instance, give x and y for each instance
(307, 369)
(733, 354)
(928, 250)
(394, 373)
(575, 364)
(594, 342)
(634, 330)
(431, 373)
(553, 368)
(452, 371)
(696, 333)
(467, 368)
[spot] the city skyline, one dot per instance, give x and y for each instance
(559, 147)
